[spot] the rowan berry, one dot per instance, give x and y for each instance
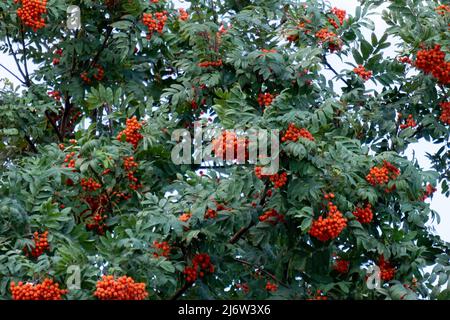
(340, 14)
(206, 64)
(442, 9)
(271, 216)
(40, 245)
(445, 112)
(183, 15)
(47, 290)
(331, 226)
(387, 271)
(265, 99)
(185, 217)
(330, 39)
(341, 266)
(429, 190)
(31, 13)
(433, 62)
(161, 249)
(271, 287)
(382, 175)
(278, 179)
(122, 288)
(201, 263)
(362, 72)
(229, 143)
(131, 132)
(293, 133)
(364, 215)
(154, 22)
(409, 123)
(90, 184)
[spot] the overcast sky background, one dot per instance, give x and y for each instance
(419, 149)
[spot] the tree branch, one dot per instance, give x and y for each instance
(325, 62)
(12, 73)
(262, 270)
(181, 291)
(24, 57)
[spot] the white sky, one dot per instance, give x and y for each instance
(439, 201)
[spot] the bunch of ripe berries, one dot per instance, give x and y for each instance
(433, 62)
(341, 266)
(278, 179)
(293, 133)
(99, 75)
(362, 72)
(271, 216)
(271, 287)
(382, 175)
(47, 290)
(131, 132)
(130, 167)
(30, 13)
(90, 184)
(365, 214)
(162, 249)
(331, 226)
(200, 264)
(409, 122)
(340, 14)
(122, 288)
(445, 112)
(265, 99)
(40, 245)
(206, 64)
(387, 271)
(228, 143)
(154, 23)
(329, 38)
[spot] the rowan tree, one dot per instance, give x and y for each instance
(87, 178)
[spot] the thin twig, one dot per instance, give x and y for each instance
(12, 73)
(325, 62)
(261, 270)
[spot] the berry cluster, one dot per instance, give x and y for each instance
(433, 62)
(409, 122)
(387, 271)
(200, 264)
(55, 94)
(131, 132)
(244, 287)
(405, 59)
(58, 53)
(429, 190)
(301, 26)
(98, 75)
(442, 9)
(382, 175)
(90, 184)
(122, 288)
(340, 14)
(185, 217)
(97, 223)
(362, 72)
(278, 179)
(31, 13)
(162, 249)
(47, 290)
(229, 143)
(341, 266)
(183, 14)
(130, 167)
(271, 216)
(271, 287)
(364, 215)
(210, 214)
(330, 227)
(319, 296)
(97, 217)
(206, 64)
(155, 23)
(330, 38)
(445, 112)
(40, 244)
(293, 133)
(265, 99)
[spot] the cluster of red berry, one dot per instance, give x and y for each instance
(271, 216)
(365, 214)
(185, 217)
(229, 143)
(200, 264)
(271, 287)
(47, 290)
(162, 249)
(433, 62)
(31, 13)
(387, 271)
(330, 38)
(58, 53)
(206, 64)
(442, 9)
(122, 288)
(96, 213)
(98, 75)
(330, 227)
(278, 179)
(341, 266)
(362, 72)
(55, 94)
(382, 175)
(264, 51)
(300, 26)
(405, 59)
(155, 23)
(90, 184)
(409, 122)
(445, 112)
(319, 296)
(340, 14)
(265, 99)
(130, 167)
(243, 286)
(429, 190)
(40, 245)
(131, 132)
(293, 133)
(97, 223)
(183, 14)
